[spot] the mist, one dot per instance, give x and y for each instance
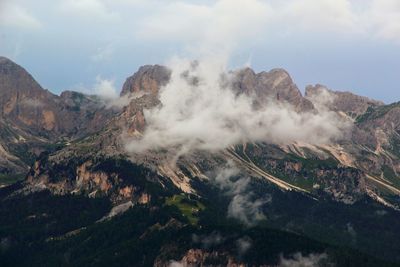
(243, 206)
(200, 111)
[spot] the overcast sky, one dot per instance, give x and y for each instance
(349, 45)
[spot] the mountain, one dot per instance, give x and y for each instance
(146, 79)
(346, 102)
(86, 200)
(35, 120)
(275, 84)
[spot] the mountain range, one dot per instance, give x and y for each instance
(74, 194)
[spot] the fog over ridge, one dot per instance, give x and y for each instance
(199, 110)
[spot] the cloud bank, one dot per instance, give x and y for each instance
(378, 19)
(199, 112)
(16, 16)
(118, 35)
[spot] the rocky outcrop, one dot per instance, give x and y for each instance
(349, 103)
(276, 85)
(147, 79)
(132, 117)
(273, 85)
(118, 179)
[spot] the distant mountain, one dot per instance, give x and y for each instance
(335, 203)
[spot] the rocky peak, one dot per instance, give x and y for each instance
(148, 79)
(349, 103)
(275, 84)
(32, 117)
(245, 81)
(14, 78)
(23, 101)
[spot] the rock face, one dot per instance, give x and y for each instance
(27, 105)
(35, 119)
(349, 103)
(273, 85)
(23, 101)
(147, 79)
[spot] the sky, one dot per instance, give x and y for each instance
(84, 45)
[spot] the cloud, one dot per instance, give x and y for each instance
(220, 25)
(323, 99)
(88, 9)
(105, 88)
(384, 19)
(208, 115)
(312, 260)
(208, 241)
(318, 15)
(243, 206)
(373, 19)
(144, 30)
(107, 91)
(245, 209)
(198, 110)
(217, 22)
(15, 16)
(243, 245)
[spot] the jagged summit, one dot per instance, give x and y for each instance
(148, 78)
(275, 84)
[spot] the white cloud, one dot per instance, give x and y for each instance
(14, 15)
(312, 260)
(219, 26)
(185, 21)
(209, 116)
(105, 88)
(208, 241)
(384, 18)
(318, 15)
(223, 20)
(88, 9)
(243, 206)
